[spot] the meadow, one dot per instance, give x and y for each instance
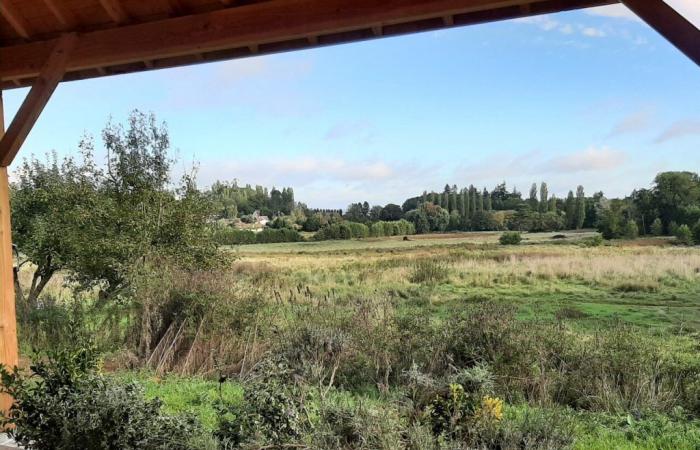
(444, 341)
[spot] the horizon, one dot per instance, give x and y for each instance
(592, 97)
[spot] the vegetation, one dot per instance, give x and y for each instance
(355, 336)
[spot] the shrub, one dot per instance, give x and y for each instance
(593, 241)
(657, 228)
(683, 235)
(342, 230)
(66, 404)
(429, 271)
(510, 238)
(630, 230)
(232, 236)
(345, 426)
(696, 232)
(271, 235)
(270, 413)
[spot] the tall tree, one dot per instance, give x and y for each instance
(532, 200)
(487, 200)
(553, 203)
(570, 209)
(544, 196)
(467, 203)
(580, 207)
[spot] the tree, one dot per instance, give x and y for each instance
(631, 230)
(467, 203)
(675, 192)
(580, 214)
(487, 200)
(553, 204)
(544, 205)
(392, 212)
(684, 235)
(570, 209)
(355, 212)
(532, 200)
(375, 213)
(101, 225)
(657, 228)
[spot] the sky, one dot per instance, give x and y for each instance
(592, 97)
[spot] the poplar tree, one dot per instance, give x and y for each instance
(570, 211)
(487, 200)
(460, 203)
(533, 197)
(544, 194)
(553, 203)
(580, 214)
(467, 203)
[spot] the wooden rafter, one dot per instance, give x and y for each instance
(270, 26)
(62, 15)
(14, 19)
(670, 24)
(36, 99)
(115, 10)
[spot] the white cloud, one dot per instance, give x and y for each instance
(679, 129)
(592, 32)
(547, 22)
(635, 122)
(591, 159)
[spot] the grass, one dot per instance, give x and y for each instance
(646, 283)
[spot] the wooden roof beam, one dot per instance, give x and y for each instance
(115, 10)
(670, 24)
(28, 113)
(14, 19)
(260, 24)
(64, 17)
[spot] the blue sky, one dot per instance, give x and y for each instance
(589, 97)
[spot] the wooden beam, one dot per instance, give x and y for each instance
(64, 17)
(36, 99)
(8, 322)
(670, 24)
(115, 10)
(14, 19)
(262, 23)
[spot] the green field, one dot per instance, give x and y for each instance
(587, 346)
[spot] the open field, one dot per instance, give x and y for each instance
(597, 343)
(644, 282)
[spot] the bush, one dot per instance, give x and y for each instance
(232, 236)
(696, 232)
(66, 404)
(270, 413)
(630, 230)
(510, 238)
(429, 271)
(683, 235)
(593, 241)
(657, 227)
(342, 230)
(271, 235)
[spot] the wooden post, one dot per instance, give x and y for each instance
(8, 321)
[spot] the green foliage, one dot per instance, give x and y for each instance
(66, 404)
(271, 412)
(657, 228)
(630, 230)
(343, 230)
(510, 238)
(684, 235)
(429, 271)
(101, 224)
